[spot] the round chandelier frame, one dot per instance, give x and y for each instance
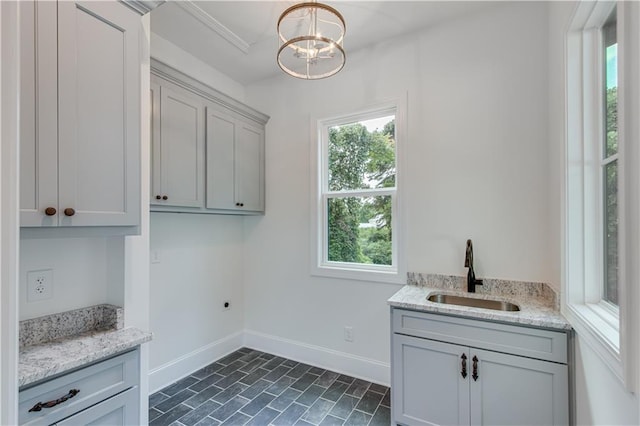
(311, 37)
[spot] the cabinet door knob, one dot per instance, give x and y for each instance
(69, 212)
(50, 211)
(158, 197)
(239, 204)
(164, 197)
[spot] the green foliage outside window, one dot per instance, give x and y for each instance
(610, 172)
(359, 227)
(611, 200)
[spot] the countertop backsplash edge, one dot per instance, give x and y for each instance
(44, 329)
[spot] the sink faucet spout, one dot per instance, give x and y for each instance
(471, 275)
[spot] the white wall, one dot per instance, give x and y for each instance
(85, 270)
(167, 52)
(477, 167)
(600, 397)
(200, 266)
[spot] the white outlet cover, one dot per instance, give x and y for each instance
(39, 285)
(348, 334)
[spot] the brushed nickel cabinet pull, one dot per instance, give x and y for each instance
(50, 404)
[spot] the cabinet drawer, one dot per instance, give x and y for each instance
(518, 340)
(95, 383)
(120, 410)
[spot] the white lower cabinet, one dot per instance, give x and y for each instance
(427, 387)
(104, 393)
(435, 382)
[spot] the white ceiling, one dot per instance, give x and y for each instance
(239, 38)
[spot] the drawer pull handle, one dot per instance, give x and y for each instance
(464, 366)
(475, 368)
(40, 405)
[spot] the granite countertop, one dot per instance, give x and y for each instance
(539, 304)
(61, 342)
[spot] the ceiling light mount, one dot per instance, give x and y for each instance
(311, 37)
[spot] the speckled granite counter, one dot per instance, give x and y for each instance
(539, 305)
(61, 342)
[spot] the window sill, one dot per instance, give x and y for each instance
(344, 271)
(593, 325)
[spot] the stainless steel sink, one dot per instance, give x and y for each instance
(496, 305)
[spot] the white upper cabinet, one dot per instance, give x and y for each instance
(235, 161)
(80, 142)
(177, 148)
(249, 166)
(207, 150)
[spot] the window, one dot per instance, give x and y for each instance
(600, 215)
(356, 208)
(609, 163)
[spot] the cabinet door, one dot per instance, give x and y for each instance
(38, 113)
(221, 135)
(154, 100)
(249, 167)
(513, 390)
(119, 410)
(98, 114)
(178, 149)
(427, 386)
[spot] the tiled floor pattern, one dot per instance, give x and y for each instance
(249, 387)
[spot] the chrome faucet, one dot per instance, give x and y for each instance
(472, 282)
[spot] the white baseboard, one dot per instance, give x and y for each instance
(172, 371)
(340, 362)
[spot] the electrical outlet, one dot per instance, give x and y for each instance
(39, 285)
(226, 305)
(348, 334)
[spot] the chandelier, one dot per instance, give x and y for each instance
(311, 35)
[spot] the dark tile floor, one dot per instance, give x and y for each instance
(250, 387)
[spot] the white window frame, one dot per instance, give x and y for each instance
(320, 266)
(611, 331)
